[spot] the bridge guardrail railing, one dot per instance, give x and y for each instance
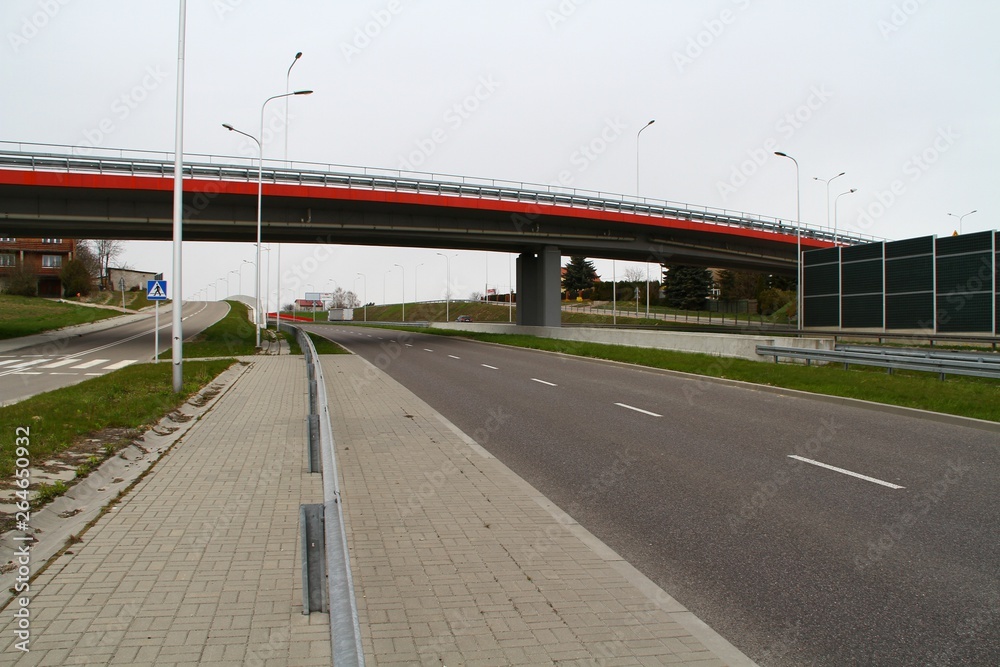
(149, 163)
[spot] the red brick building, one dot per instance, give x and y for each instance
(43, 257)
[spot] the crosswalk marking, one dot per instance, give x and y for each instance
(25, 364)
(90, 364)
(121, 364)
(61, 362)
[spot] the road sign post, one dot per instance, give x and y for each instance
(156, 291)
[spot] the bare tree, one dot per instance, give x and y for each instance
(107, 251)
(344, 299)
(634, 274)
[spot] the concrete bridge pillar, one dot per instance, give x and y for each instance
(539, 295)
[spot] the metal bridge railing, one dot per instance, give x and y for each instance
(51, 157)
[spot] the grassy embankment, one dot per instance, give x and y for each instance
(25, 316)
(133, 300)
(232, 336)
(481, 312)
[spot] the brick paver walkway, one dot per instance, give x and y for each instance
(199, 564)
(456, 561)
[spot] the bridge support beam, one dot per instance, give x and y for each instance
(538, 288)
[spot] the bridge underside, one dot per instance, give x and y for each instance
(46, 205)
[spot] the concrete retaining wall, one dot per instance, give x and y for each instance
(719, 345)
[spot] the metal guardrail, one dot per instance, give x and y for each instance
(345, 629)
(141, 163)
(941, 363)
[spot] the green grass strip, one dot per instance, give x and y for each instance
(234, 335)
(25, 316)
(957, 395)
(324, 345)
(133, 397)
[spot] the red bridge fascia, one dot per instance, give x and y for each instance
(529, 210)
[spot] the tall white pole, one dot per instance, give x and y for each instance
(177, 329)
(828, 181)
(403, 278)
(288, 74)
(798, 243)
(836, 199)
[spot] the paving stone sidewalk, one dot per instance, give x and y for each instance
(457, 561)
(199, 563)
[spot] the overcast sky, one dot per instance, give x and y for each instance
(901, 95)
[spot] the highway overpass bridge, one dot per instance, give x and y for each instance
(77, 192)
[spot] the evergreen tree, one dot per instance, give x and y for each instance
(76, 278)
(580, 274)
(687, 287)
(736, 285)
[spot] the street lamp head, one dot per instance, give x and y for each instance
(650, 122)
(780, 154)
(303, 92)
(854, 189)
(298, 55)
(229, 127)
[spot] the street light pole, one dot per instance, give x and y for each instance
(835, 212)
(365, 283)
(637, 155)
(176, 326)
(447, 287)
(403, 278)
(416, 299)
(260, 191)
(288, 74)
(828, 181)
(798, 243)
(960, 218)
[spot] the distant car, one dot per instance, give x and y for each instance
(463, 318)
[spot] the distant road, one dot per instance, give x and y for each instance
(888, 555)
(32, 370)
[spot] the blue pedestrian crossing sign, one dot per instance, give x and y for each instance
(156, 290)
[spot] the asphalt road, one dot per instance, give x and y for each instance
(693, 483)
(32, 370)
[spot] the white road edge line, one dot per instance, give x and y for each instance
(452, 356)
(427, 349)
(551, 384)
(846, 472)
(645, 412)
(492, 368)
